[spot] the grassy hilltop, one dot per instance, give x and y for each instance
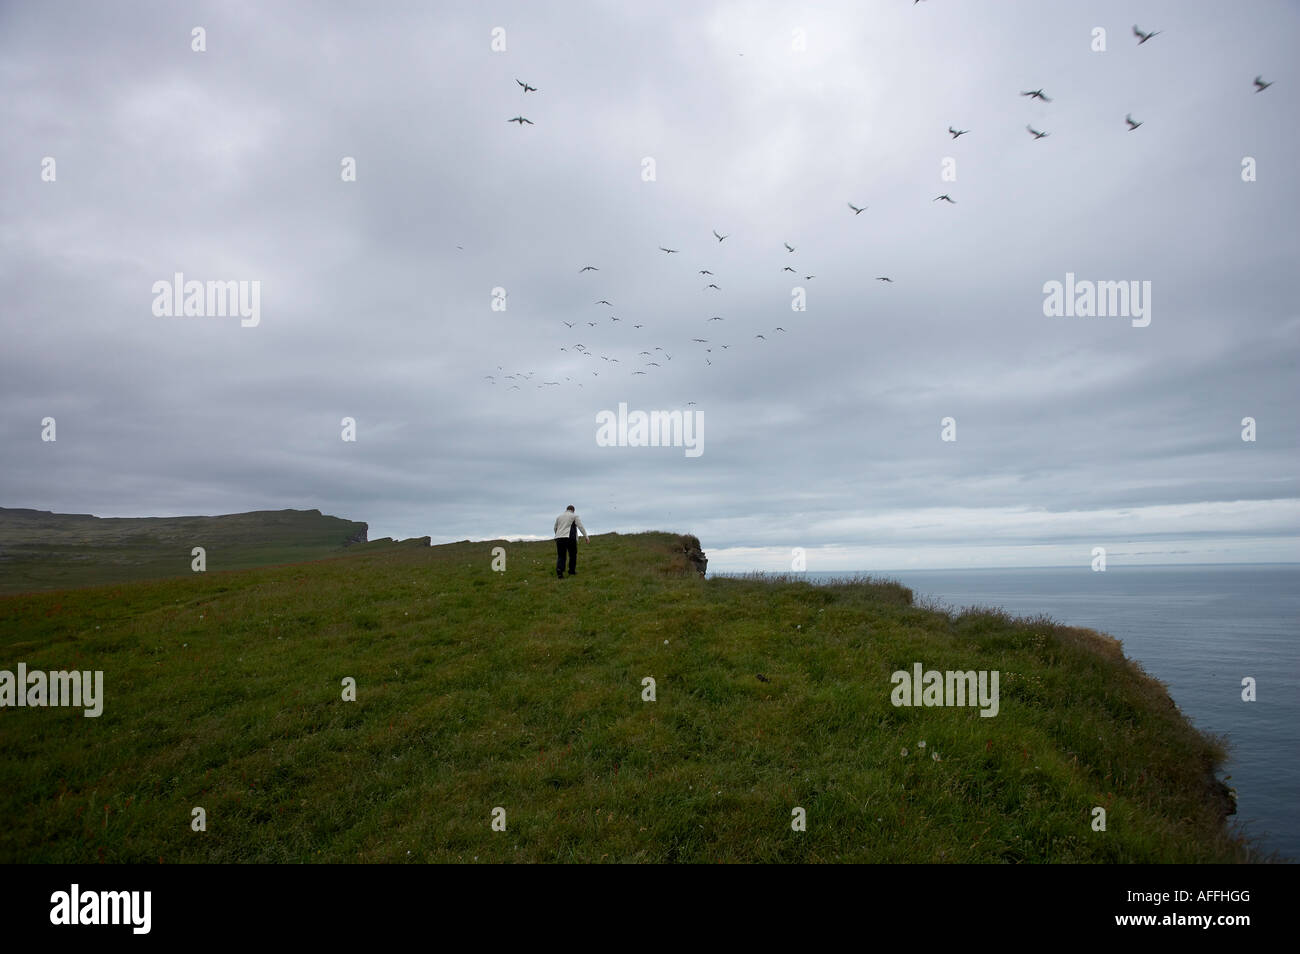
(40, 550)
(478, 689)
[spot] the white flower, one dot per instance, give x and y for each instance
(921, 744)
(904, 753)
(935, 756)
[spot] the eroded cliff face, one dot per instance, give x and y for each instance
(359, 536)
(695, 557)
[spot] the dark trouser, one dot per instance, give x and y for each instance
(566, 546)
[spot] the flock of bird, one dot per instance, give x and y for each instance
(520, 378)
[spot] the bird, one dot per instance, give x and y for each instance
(1143, 37)
(945, 197)
(603, 302)
(653, 364)
(1260, 85)
(527, 88)
(707, 361)
(591, 324)
(711, 285)
(1036, 94)
(568, 324)
(612, 318)
(638, 372)
(690, 403)
(760, 336)
(809, 278)
(700, 340)
(638, 326)
(717, 318)
(588, 268)
(520, 120)
(788, 246)
(787, 269)
(856, 210)
(1131, 124)
(670, 251)
(719, 237)
(882, 278)
(780, 329)
(705, 271)
(1035, 133)
(725, 347)
(957, 132)
(646, 353)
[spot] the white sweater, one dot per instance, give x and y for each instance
(564, 521)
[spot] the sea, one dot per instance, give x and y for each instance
(1200, 629)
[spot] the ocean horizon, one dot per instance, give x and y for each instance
(1198, 628)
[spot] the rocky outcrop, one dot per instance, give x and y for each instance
(695, 557)
(359, 536)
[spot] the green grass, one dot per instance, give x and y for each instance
(43, 551)
(478, 689)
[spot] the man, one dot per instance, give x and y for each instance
(567, 526)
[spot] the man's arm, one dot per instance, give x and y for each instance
(555, 531)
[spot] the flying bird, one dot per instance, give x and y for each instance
(1131, 124)
(946, 197)
(700, 340)
(809, 278)
(716, 318)
(603, 302)
(705, 271)
(1260, 85)
(780, 329)
(856, 210)
(527, 88)
(569, 324)
(638, 326)
(1036, 94)
(653, 364)
(520, 120)
(957, 132)
(1035, 133)
(719, 237)
(670, 251)
(711, 285)
(1143, 37)
(788, 246)
(787, 269)
(760, 336)
(591, 324)
(638, 372)
(588, 268)
(882, 278)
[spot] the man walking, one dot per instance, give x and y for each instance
(567, 526)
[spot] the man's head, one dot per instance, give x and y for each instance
(570, 507)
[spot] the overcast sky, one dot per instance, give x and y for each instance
(653, 125)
